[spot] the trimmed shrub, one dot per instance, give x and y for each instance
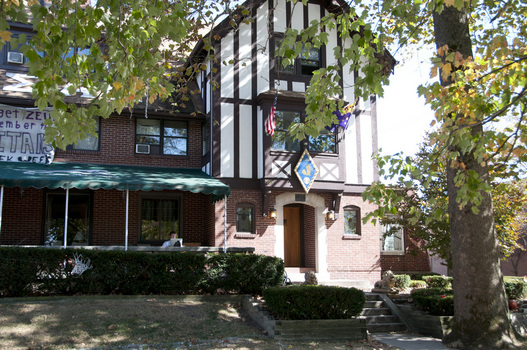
(418, 284)
(422, 276)
(242, 273)
(438, 281)
(306, 302)
(435, 301)
(46, 271)
(515, 288)
(402, 281)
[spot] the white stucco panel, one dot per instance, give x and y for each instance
(246, 142)
(348, 78)
(227, 140)
(350, 142)
(297, 16)
(262, 56)
(227, 71)
(279, 20)
(367, 149)
(245, 66)
(299, 86)
(280, 169)
(328, 171)
(259, 128)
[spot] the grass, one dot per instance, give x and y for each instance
(139, 322)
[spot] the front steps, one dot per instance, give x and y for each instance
(379, 317)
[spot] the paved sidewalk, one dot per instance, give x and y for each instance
(409, 341)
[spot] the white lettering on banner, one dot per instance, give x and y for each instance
(24, 84)
(22, 135)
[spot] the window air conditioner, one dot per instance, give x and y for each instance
(15, 57)
(143, 149)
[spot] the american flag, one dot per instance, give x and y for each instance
(270, 124)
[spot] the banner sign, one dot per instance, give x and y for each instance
(22, 135)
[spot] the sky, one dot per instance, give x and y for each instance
(402, 115)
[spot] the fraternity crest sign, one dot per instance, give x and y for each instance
(306, 170)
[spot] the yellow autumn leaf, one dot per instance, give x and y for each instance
(14, 2)
(5, 35)
(446, 69)
(117, 86)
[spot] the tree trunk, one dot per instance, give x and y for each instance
(481, 310)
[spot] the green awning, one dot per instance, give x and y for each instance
(103, 176)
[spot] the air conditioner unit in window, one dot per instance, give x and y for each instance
(143, 149)
(15, 57)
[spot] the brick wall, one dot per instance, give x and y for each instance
(22, 216)
(117, 146)
(407, 262)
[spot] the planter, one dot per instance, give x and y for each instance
(342, 329)
(433, 326)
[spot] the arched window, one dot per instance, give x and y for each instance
(352, 220)
(245, 218)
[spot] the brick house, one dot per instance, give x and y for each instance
(215, 177)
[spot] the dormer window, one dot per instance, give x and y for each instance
(308, 61)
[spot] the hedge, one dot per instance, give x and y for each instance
(435, 301)
(305, 302)
(43, 271)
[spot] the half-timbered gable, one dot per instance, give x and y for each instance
(305, 228)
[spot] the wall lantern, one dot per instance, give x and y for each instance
(273, 213)
(330, 215)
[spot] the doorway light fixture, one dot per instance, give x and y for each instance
(330, 215)
(273, 213)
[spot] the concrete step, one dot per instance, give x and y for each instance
(373, 304)
(386, 327)
(376, 311)
(381, 319)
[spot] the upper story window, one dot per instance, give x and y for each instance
(308, 61)
(90, 143)
(392, 238)
(245, 218)
(326, 142)
(154, 136)
(352, 220)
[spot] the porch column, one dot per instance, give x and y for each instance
(65, 242)
(1, 205)
(126, 221)
(225, 226)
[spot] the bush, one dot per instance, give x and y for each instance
(314, 302)
(45, 271)
(402, 281)
(418, 284)
(438, 281)
(422, 276)
(435, 301)
(515, 288)
(243, 273)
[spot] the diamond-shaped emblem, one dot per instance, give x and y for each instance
(306, 170)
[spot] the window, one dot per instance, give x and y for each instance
(308, 61)
(159, 217)
(282, 141)
(245, 218)
(163, 136)
(90, 143)
(352, 220)
(78, 219)
(392, 238)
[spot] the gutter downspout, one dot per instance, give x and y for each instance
(225, 227)
(126, 222)
(65, 243)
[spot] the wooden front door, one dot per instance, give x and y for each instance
(292, 236)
